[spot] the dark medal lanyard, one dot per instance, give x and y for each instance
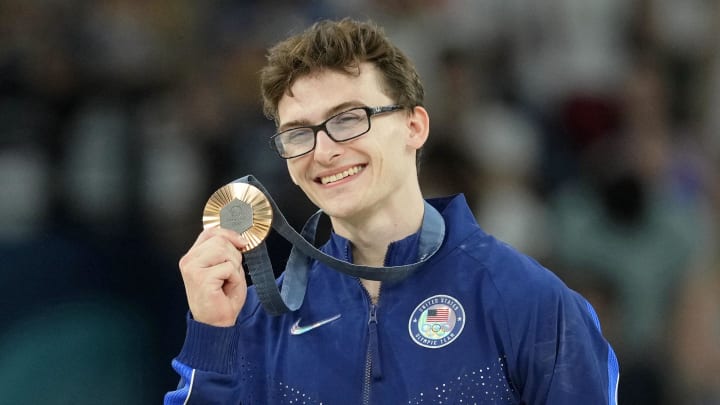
(246, 207)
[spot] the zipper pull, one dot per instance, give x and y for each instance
(374, 346)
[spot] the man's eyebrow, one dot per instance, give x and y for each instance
(347, 105)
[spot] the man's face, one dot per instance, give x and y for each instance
(357, 177)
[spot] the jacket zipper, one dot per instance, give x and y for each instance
(372, 358)
(373, 370)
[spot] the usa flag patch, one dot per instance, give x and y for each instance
(437, 321)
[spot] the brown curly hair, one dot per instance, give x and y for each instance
(338, 45)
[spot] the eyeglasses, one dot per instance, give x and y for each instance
(341, 127)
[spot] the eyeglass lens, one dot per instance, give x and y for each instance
(341, 127)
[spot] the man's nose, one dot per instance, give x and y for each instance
(325, 148)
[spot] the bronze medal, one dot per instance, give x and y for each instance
(242, 208)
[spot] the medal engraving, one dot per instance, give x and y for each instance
(236, 215)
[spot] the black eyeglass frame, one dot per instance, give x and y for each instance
(371, 111)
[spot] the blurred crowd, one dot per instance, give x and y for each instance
(585, 133)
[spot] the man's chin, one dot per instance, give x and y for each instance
(338, 208)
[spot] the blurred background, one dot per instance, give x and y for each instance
(585, 133)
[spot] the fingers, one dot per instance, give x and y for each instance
(214, 246)
(218, 278)
(214, 251)
(213, 276)
(215, 294)
(232, 236)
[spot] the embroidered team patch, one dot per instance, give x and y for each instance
(437, 321)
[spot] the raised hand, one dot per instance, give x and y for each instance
(213, 275)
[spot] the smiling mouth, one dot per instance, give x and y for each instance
(339, 176)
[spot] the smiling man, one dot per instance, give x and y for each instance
(477, 322)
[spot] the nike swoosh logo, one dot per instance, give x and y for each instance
(296, 329)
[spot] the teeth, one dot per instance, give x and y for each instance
(339, 176)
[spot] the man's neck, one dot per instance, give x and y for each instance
(370, 234)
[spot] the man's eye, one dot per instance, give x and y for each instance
(348, 118)
(298, 136)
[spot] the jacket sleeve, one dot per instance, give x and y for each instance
(207, 365)
(562, 357)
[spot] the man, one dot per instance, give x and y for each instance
(477, 323)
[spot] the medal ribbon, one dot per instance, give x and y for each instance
(290, 298)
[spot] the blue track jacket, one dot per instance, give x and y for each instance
(479, 323)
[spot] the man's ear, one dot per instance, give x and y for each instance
(419, 125)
